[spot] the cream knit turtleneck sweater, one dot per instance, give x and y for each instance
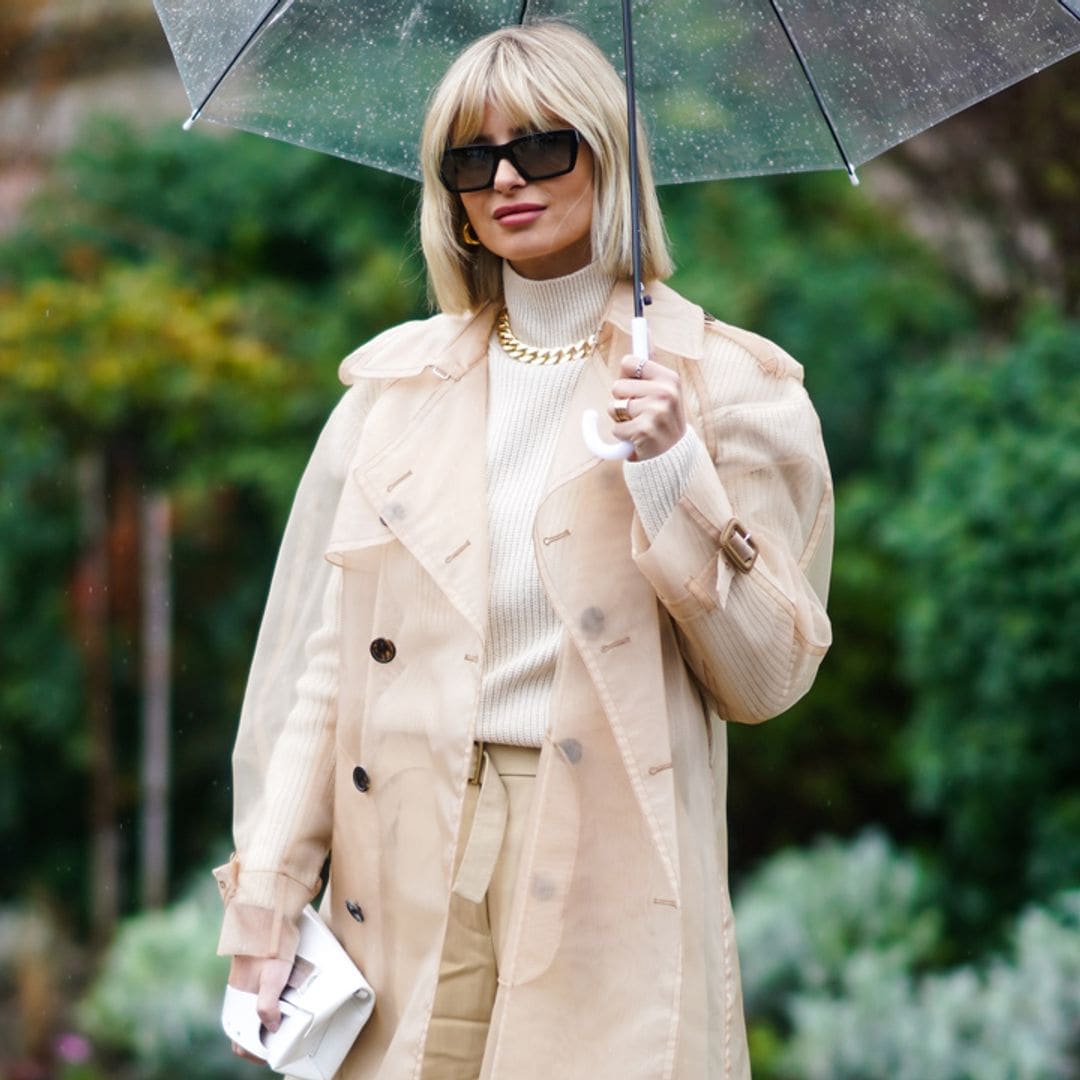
(526, 405)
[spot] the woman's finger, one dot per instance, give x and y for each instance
(650, 369)
(272, 979)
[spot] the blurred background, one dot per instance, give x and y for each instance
(905, 843)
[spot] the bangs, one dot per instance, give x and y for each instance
(504, 81)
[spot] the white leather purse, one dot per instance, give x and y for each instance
(323, 1008)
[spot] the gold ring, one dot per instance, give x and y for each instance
(640, 368)
(622, 411)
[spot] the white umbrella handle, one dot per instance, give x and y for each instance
(590, 420)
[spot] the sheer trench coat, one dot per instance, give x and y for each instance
(357, 726)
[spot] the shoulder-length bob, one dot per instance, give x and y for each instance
(541, 73)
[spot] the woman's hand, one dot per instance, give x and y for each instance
(653, 404)
(267, 978)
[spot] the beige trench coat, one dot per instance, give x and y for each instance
(621, 959)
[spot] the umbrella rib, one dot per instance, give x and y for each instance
(1067, 5)
(275, 4)
(809, 75)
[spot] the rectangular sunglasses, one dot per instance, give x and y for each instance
(539, 156)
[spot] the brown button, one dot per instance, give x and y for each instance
(354, 909)
(383, 650)
(360, 778)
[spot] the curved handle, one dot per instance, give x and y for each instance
(609, 451)
(590, 420)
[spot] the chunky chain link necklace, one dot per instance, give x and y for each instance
(530, 354)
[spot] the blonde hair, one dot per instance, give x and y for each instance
(537, 73)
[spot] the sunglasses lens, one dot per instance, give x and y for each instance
(548, 153)
(467, 168)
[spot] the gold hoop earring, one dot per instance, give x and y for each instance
(468, 236)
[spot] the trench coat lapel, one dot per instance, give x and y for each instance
(421, 463)
(582, 539)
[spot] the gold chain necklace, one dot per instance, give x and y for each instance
(530, 354)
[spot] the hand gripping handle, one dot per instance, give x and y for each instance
(242, 1024)
(590, 420)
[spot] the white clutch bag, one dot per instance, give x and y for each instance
(323, 1007)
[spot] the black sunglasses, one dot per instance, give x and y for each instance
(539, 156)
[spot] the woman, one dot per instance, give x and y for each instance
(493, 669)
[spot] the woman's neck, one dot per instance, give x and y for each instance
(556, 311)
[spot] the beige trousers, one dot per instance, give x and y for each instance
(493, 822)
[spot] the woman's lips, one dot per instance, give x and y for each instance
(519, 214)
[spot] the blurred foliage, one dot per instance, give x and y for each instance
(806, 911)
(317, 248)
(1016, 1016)
(983, 454)
(836, 945)
(179, 303)
(814, 266)
(42, 750)
(132, 353)
(157, 998)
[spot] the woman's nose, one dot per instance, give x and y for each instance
(507, 177)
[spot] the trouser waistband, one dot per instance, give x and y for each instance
(508, 760)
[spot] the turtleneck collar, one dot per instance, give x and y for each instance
(556, 311)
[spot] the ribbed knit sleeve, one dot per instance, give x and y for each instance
(275, 882)
(754, 637)
(656, 484)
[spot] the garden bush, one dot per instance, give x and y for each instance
(838, 945)
(157, 1000)
(1016, 1017)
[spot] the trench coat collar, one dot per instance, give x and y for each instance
(454, 343)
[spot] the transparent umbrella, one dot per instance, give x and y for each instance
(725, 87)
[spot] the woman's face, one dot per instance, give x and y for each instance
(541, 226)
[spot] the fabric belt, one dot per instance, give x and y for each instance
(489, 764)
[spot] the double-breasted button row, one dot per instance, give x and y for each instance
(360, 778)
(355, 910)
(383, 650)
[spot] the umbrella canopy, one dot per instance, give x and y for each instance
(726, 88)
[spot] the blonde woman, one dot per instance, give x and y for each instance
(494, 671)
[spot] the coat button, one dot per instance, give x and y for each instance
(383, 650)
(354, 909)
(360, 778)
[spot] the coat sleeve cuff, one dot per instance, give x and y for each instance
(685, 561)
(657, 484)
(262, 912)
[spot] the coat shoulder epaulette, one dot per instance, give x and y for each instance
(768, 356)
(402, 349)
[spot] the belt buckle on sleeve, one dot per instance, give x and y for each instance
(738, 546)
